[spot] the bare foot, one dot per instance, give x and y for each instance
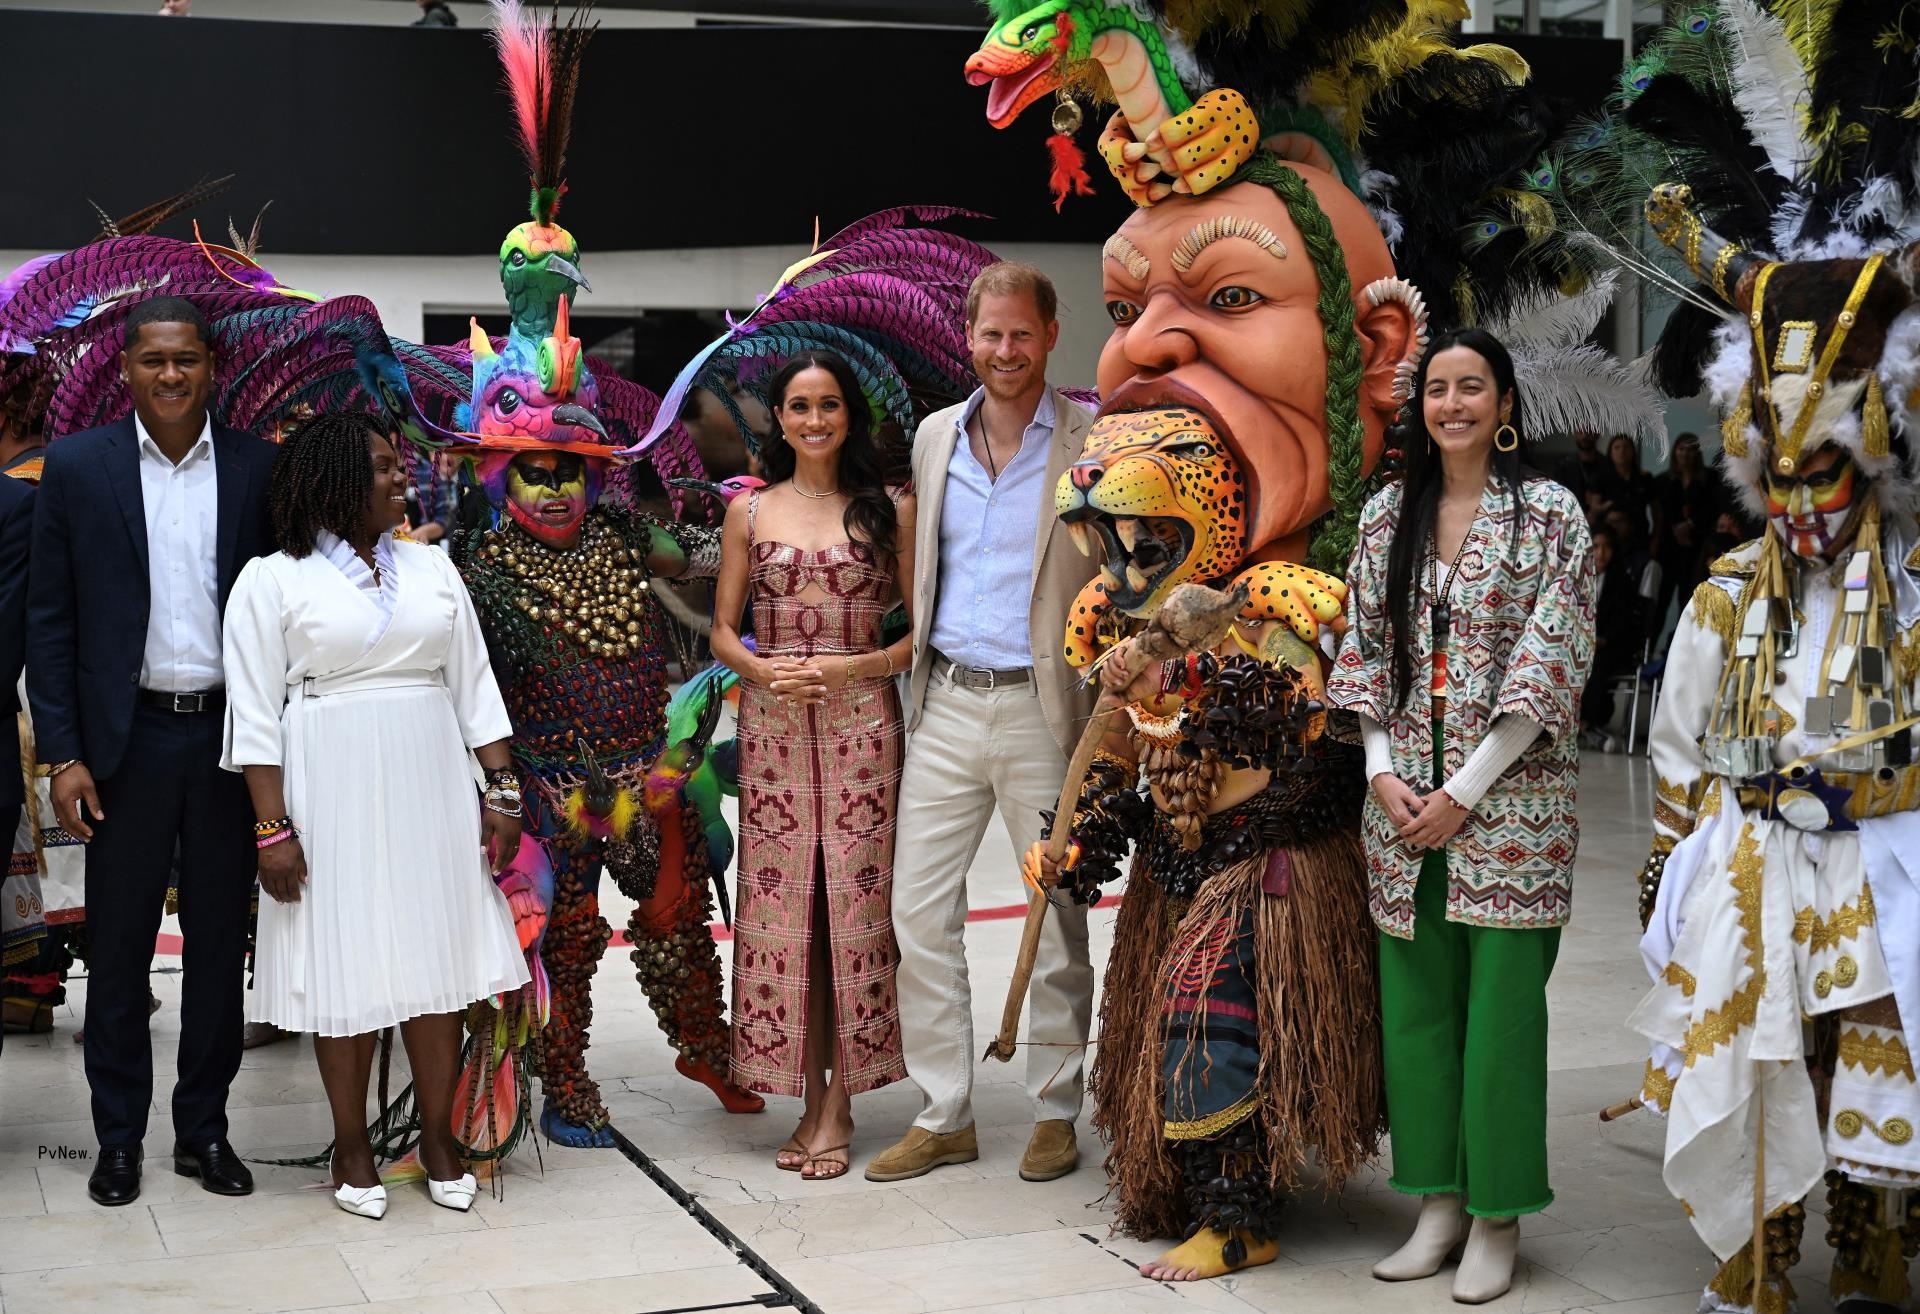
(1204, 1255)
(792, 1156)
(832, 1134)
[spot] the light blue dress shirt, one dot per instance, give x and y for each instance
(987, 531)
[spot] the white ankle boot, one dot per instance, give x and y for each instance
(1437, 1234)
(1486, 1267)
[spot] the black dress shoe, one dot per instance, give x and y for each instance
(216, 1165)
(115, 1179)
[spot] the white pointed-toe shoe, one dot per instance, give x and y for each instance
(1486, 1267)
(1437, 1237)
(366, 1201)
(455, 1194)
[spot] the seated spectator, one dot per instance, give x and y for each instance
(1619, 635)
(436, 13)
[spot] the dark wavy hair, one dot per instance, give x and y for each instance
(871, 518)
(320, 479)
(1421, 486)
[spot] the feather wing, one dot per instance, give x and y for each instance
(1569, 389)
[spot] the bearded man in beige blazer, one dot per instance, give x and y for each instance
(993, 710)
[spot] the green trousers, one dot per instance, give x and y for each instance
(1463, 1020)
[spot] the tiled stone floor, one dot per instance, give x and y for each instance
(592, 1232)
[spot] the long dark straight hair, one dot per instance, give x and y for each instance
(1421, 486)
(871, 517)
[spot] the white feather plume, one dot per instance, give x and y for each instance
(1769, 85)
(1547, 319)
(1581, 387)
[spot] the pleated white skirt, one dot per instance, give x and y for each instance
(399, 917)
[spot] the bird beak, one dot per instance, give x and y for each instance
(707, 486)
(567, 269)
(579, 417)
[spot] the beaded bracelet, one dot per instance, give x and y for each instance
(261, 828)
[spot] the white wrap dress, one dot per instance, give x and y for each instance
(369, 698)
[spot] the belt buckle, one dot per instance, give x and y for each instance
(993, 678)
(189, 702)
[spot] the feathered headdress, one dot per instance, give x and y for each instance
(887, 294)
(540, 66)
(1773, 147)
(274, 353)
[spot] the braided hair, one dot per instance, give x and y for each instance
(1335, 532)
(321, 480)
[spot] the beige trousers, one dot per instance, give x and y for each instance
(975, 749)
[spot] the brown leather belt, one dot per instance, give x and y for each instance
(979, 677)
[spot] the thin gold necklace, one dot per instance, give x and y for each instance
(804, 493)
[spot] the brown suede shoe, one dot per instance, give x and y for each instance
(1051, 1153)
(920, 1151)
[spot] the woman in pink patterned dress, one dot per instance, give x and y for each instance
(820, 550)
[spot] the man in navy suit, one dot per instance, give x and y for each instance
(16, 525)
(139, 529)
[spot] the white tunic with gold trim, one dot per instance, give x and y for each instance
(1758, 924)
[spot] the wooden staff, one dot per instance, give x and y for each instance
(1622, 1109)
(1193, 619)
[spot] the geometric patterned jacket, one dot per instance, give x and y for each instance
(1520, 641)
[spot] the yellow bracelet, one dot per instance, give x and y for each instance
(849, 668)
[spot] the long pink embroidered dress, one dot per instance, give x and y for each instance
(817, 787)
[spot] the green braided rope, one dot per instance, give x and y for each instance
(1334, 534)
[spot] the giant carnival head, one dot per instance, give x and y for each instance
(1262, 342)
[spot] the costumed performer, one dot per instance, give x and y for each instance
(1782, 885)
(563, 588)
(820, 552)
(1469, 635)
(1272, 149)
(358, 682)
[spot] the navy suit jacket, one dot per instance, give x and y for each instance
(87, 594)
(16, 526)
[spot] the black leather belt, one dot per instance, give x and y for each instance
(209, 700)
(980, 677)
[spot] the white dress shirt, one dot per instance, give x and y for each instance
(987, 531)
(183, 587)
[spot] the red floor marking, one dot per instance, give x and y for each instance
(170, 944)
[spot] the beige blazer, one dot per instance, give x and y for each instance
(1059, 571)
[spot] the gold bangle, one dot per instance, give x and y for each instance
(58, 767)
(886, 655)
(849, 668)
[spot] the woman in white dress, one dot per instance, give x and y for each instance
(357, 683)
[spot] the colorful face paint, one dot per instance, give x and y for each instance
(548, 495)
(1813, 511)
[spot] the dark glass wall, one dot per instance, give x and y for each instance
(396, 141)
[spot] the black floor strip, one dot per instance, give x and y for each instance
(784, 1296)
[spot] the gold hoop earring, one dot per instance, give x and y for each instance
(1506, 438)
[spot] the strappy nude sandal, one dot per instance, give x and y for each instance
(800, 1151)
(840, 1165)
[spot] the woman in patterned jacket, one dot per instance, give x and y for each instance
(1473, 755)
